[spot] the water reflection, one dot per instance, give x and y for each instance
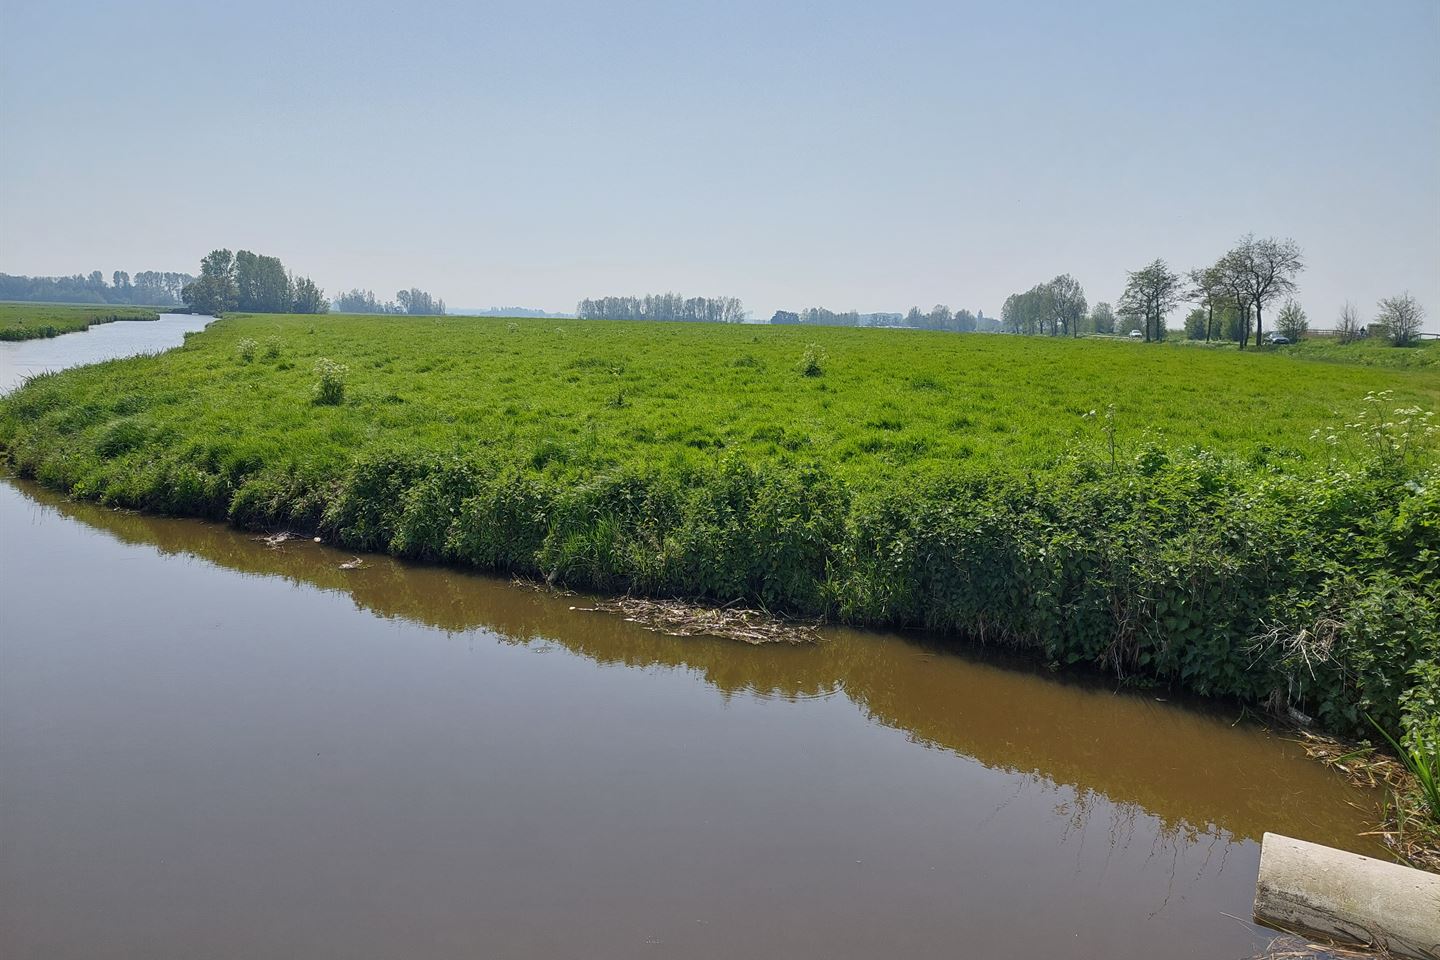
(1194, 771)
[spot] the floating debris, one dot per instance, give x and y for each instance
(1296, 947)
(677, 618)
(1404, 828)
(354, 563)
(276, 539)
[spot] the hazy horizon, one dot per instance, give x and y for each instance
(790, 156)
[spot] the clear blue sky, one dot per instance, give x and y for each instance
(849, 155)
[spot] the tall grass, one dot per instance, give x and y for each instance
(1422, 764)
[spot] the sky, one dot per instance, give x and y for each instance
(850, 155)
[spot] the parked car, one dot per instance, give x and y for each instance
(1136, 334)
(1275, 339)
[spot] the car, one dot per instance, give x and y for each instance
(1136, 334)
(1276, 339)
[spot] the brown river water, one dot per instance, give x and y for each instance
(210, 747)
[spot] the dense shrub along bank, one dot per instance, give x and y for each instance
(1317, 593)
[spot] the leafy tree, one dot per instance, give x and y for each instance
(1065, 299)
(664, 306)
(1102, 318)
(1129, 317)
(1152, 292)
(1266, 271)
(1208, 289)
(215, 291)
(785, 317)
(1197, 325)
(1402, 316)
(261, 283)
(307, 298)
(363, 301)
(940, 317)
(149, 288)
(1291, 321)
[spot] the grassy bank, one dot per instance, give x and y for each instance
(1423, 354)
(1250, 526)
(32, 321)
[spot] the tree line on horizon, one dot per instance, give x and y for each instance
(413, 301)
(939, 317)
(663, 306)
(149, 288)
(1232, 297)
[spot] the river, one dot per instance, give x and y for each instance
(213, 747)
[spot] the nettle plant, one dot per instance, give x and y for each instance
(329, 387)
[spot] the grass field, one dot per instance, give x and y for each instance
(574, 397)
(31, 321)
(1168, 514)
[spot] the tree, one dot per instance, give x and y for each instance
(120, 279)
(1291, 321)
(1065, 299)
(940, 317)
(1347, 325)
(1152, 292)
(215, 290)
(1402, 316)
(1197, 325)
(785, 316)
(1207, 288)
(964, 321)
(261, 284)
(308, 298)
(363, 301)
(1129, 316)
(656, 306)
(1102, 318)
(1230, 272)
(914, 318)
(1266, 270)
(417, 302)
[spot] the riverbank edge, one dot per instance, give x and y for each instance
(1358, 760)
(1171, 572)
(50, 331)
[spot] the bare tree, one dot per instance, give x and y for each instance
(1267, 270)
(1347, 326)
(1402, 317)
